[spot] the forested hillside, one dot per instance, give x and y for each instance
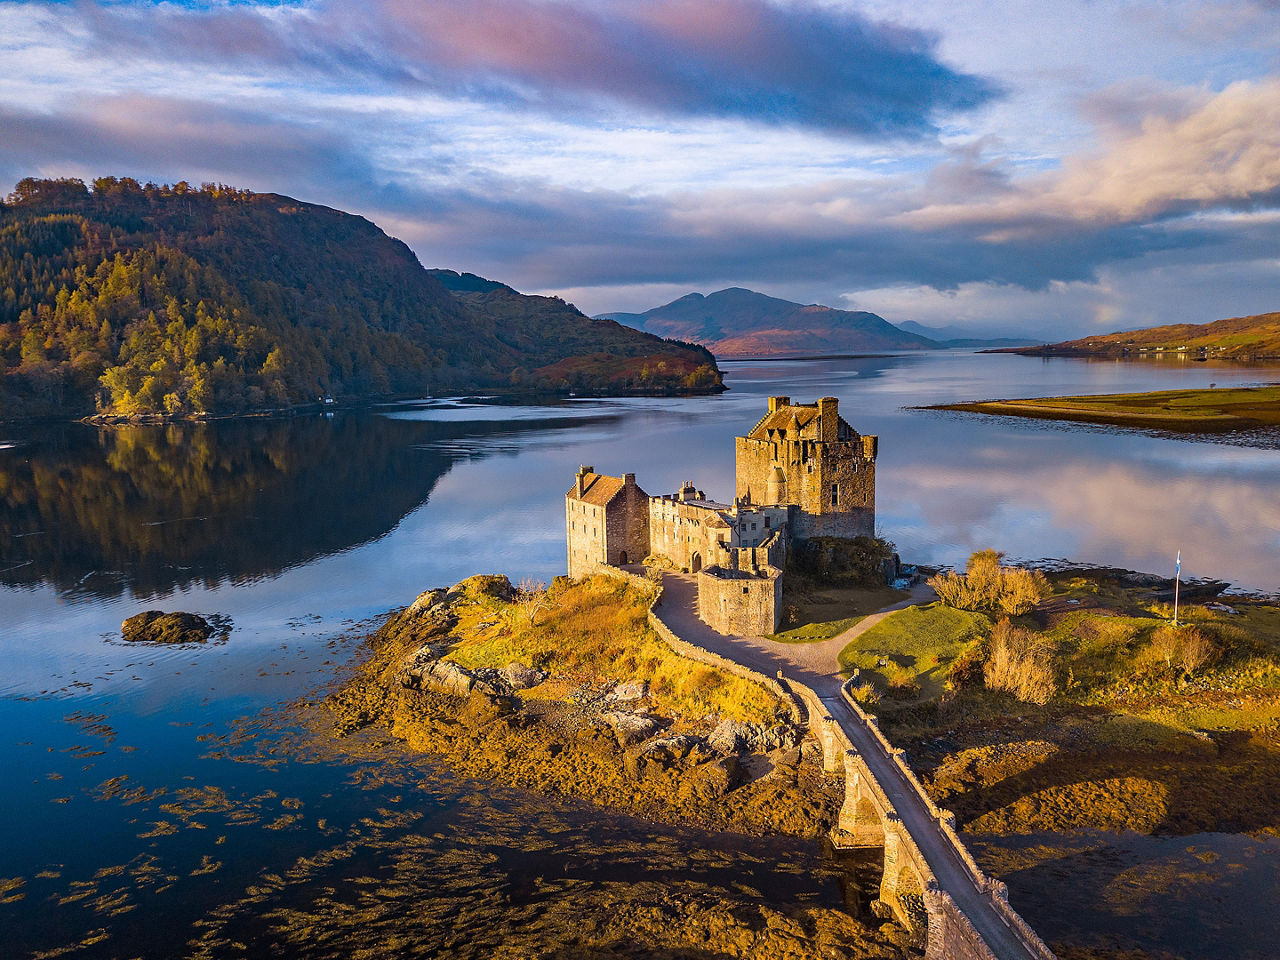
(128, 299)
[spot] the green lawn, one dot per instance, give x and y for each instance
(915, 646)
(822, 613)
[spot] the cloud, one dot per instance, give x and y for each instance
(1161, 154)
(797, 65)
(171, 138)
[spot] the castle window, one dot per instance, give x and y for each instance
(744, 589)
(835, 494)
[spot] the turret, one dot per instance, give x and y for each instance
(828, 419)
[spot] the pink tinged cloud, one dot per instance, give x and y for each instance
(800, 64)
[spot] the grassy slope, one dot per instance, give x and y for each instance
(596, 629)
(1191, 410)
(1235, 337)
(821, 613)
(914, 648)
(1128, 742)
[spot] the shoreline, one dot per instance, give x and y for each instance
(1191, 411)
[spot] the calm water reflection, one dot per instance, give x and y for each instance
(299, 530)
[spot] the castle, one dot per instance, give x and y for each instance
(801, 472)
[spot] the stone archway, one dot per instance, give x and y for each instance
(695, 563)
(622, 559)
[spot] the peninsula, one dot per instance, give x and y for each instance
(1235, 338)
(1188, 411)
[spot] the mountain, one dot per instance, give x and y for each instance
(741, 323)
(1236, 338)
(142, 300)
(957, 337)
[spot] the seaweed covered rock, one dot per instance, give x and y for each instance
(156, 626)
(731, 736)
(630, 728)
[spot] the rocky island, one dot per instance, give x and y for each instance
(568, 689)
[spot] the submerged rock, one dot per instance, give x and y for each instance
(156, 626)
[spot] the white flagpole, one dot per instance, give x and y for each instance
(1177, 579)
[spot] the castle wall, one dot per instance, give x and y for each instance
(586, 532)
(688, 534)
(739, 602)
(808, 457)
(613, 533)
(627, 525)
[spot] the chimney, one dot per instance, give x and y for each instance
(628, 479)
(776, 403)
(828, 419)
(582, 478)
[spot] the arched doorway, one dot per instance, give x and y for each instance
(695, 564)
(622, 559)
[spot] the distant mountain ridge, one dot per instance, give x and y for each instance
(958, 337)
(737, 322)
(142, 300)
(1235, 338)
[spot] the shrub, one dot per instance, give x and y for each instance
(856, 562)
(1020, 662)
(986, 585)
(967, 667)
(1189, 647)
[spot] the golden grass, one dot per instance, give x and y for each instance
(596, 629)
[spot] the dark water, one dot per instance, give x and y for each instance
(301, 530)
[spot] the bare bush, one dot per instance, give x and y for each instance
(1020, 662)
(1165, 641)
(1021, 590)
(1197, 650)
(531, 598)
(1189, 647)
(986, 585)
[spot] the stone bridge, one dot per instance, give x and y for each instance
(931, 883)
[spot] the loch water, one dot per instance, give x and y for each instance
(158, 802)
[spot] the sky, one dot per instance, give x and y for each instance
(1047, 169)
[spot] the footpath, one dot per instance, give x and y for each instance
(817, 666)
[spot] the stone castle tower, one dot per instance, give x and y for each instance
(807, 456)
(802, 472)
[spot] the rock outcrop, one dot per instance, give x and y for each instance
(156, 626)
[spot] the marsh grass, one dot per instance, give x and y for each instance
(594, 630)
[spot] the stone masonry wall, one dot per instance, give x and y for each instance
(585, 532)
(738, 602)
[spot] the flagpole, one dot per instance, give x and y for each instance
(1177, 579)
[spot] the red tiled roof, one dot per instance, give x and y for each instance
(598, 489)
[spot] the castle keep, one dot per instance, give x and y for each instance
(801, 472)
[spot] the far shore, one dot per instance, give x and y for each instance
(1186, 411)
